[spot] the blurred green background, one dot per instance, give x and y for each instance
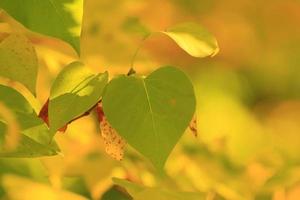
(248, 106)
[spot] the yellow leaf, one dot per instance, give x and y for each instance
(18, 188)
(114, 143)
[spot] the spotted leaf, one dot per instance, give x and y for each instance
(114, 143)
(193, 126)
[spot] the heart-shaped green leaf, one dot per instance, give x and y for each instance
(34, 134)
(151, 113)
(18, 60)
(75, 91)
(57, 18)
(194, 39)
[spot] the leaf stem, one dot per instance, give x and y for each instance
(43, 114)
(131, 70)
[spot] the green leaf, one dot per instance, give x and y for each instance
(57, 18)
(139, 192)
(18, 60)
(194, 39)
(76, 185)
(151, 113)
(26, 167)
(34, 134)
(17, 187)
(115, 194)
(27, 148)
(132, 188)
(75, 91)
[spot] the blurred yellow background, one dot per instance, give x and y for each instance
(248, 106)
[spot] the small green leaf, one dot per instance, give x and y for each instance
(77, 185)
(34, 134)
(57, 18)
(139, 192)
(194, 39)
(115, 194)
(75, 91)
(18, 60)
(26, 167)
(151, 113)
(28, 148)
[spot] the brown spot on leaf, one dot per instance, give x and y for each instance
(173, 102)
(115, 144)
(193, 126)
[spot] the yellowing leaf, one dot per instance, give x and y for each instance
(18, 188)
(193, 126)
(114, 143)
(18, 60)
(194, 39)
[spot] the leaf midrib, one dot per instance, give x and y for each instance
(152, 115)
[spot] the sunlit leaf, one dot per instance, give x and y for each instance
(74, 92)
(34, 138)
(151, 113)
(18, 60)
(57, 18)
(194, 39)
(18, 188)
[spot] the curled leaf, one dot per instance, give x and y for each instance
(114, 143)
(74, 92)
(194, 39)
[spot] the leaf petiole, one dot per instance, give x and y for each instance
(131, 70)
